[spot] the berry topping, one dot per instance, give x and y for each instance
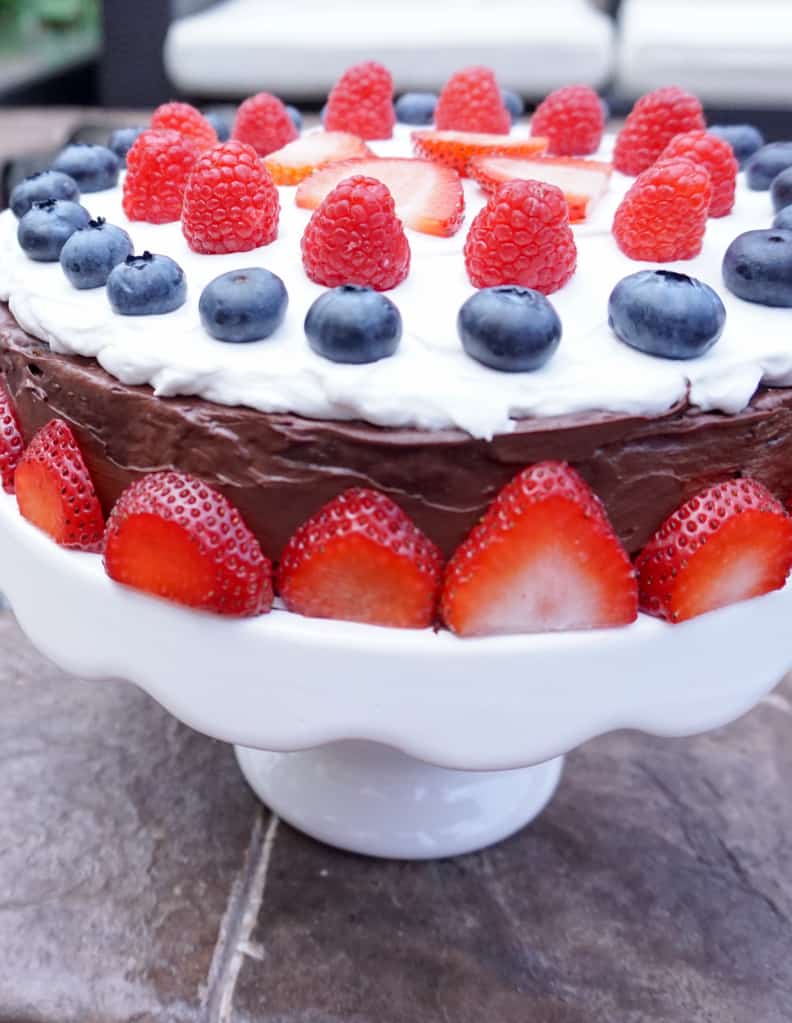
(146, 285)
(544, 558)
(472, 101)
(457, 148)
(361, 102)
(94, 168)
(40, 187)
(730, 542)
(263, 122)
(428, 197)
(243, 305)
(43, 230)
(766, 164)
(175, 537)
(295, 115)
(361, 559)
(91, 253)
(717, 157)
(230, 203)
(186, 120)
(513, 103)
(288, 166)
(222, 120)
(158, 166)
(571, 119)
(651, 124)
(665, 313)
(353, 324)
(744, 139)
(55, 492)
(664, 215)
(522, 236)
(509, 328)
(121, 141)
(757, 266)
(355, 237)
(416, 108)
(781, 189)
(11, 443)
(783, 218)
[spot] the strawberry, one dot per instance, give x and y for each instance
(292, 163)
(428, 197)
(571, 119)
(544, 558)
(263, 122)
(362, 559)
(55, 491)
(471, 101)
(457, 148)
(583, 182)
(730, 542)
(361, 102)
(186, 120)
(175, 537)
(11, 443)
(651, 124)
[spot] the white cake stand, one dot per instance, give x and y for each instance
(389, 742)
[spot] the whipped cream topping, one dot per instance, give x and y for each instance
(430, 383)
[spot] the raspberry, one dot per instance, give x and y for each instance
(264, 123)
(717, 156)
(663, 216)
(230, 204)
(355, 237)
(571, 119)
(361, 102)
(522, 236)
(471, 101)
(186, 120)
(158, 165)
(11, 443)
(651, 124)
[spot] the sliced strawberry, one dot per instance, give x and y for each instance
(361, 559)
(295, 161)
(428, 197)
(457, 148)
(55, 491)
(730, 542)
(544, 558)
(175, 537)
(583, 182)
(11, 443)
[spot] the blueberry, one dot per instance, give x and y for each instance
(766, 163)
(91, 253)
(222, 120)
(243, 305)
(40, 187)
(757, 266)
(744, 139)
(44, 229)
(606, 110)
(94, 168)
(509, 328)
(323, 113)
(353, 324)
(416, 107)
(781, 189)
(121, 141)
(295, 115)
(146, 285)
(783, 218)
(513, 103)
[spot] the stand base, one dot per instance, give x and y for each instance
(372, 799)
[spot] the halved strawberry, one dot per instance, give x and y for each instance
(362, 559)
(295, 161)
(428, 197)
(55, 492)
(543, 558)
(730, 542)
(583, 182)
(11, 443)
(175, 537)
(457, 148)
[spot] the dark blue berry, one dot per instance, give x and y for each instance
(783, 218)
(416, 107)
(243, 305)
(40, 187)
(353, 324)
(295, 115)
(91, 253)
(146, 285)
(665, 313)
(513, 103)
(94, 168)
(781, 189)
(744, 139)
(222, 120)
(766, 163)
(121, 141)
(509, 328)
(44, 229)
(606, 110)
(323, 113)
(757, 266)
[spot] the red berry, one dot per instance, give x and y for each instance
(297, 160)
(471, 101)
(158, 165)
(175, 537)
(730, 542)
(664, 215)
(651, 124)
(355, 237)
(55, 492)
(186, 120)
(543, 558)
(717, 156)
(263, 122)
(522, 236)
(361, 102)
(571, 119)
(230, 203)
(456, 149)
(362, 559)
(11, 443)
